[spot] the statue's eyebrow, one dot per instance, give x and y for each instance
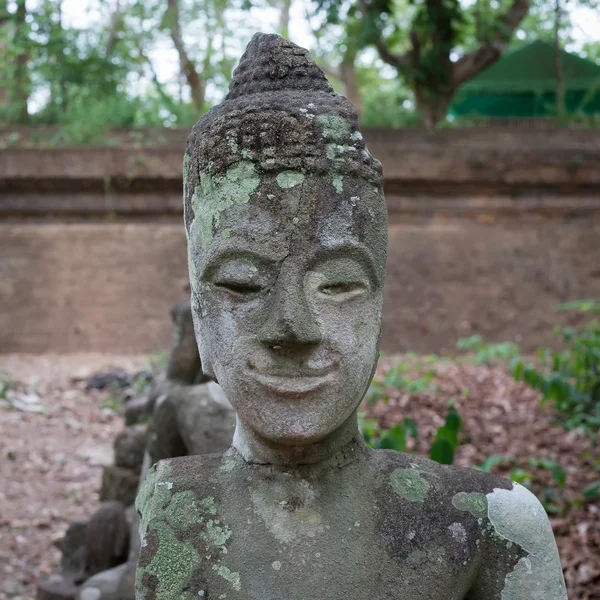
(345, 249)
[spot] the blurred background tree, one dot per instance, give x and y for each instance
(90, 65)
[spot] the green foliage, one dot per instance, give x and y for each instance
(446, 439)
(394, 438)
(488, 353)
(113, 399)
(411, 375)
(524, 473)
(592, 491)
(442, 449)
(570, 379)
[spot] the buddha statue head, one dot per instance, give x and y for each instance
(287, 236)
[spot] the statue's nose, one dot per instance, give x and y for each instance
(290, 322)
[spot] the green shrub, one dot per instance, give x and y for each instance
(488, 353)
(442, 449)
(570, 379)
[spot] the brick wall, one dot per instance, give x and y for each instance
(489, 232)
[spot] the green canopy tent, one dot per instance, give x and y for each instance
(523, 84)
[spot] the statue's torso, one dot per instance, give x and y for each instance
(372, 525)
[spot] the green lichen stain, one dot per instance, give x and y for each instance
(289, 179)
(183, 512)
(230, 576)
(216, 534)
(215, 195)
(334, 128)
(208, 505)
(233, 145)
(153, 497)
(338, 183)
(173, 564)
(409, 484)
(474, 503)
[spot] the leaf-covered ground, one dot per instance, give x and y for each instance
(51, 460)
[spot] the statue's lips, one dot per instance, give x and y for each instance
(292, 384)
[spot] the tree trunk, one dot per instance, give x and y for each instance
(433, 109)
(284, 17)
(559, 72)
(115, 25)
(350, 81)
(21, 94)
(4, 36)
(188, 69)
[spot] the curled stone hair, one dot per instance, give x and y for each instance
(281, 113)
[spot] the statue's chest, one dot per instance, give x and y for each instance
(288, 538)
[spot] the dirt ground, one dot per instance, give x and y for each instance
(53, 447)
(50, 461)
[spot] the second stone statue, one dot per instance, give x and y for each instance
(287, 233)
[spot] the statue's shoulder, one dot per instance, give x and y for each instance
(456, 485)
(177, 481)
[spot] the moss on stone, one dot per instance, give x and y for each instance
(474, 503)
(183, 512)
(232, 577)
(289, 179)
(173, 564)
(216, 534)
(334, 128)
(216, 194)
(409, 484)
(338, 183)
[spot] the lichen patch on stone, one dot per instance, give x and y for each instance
(228, 575)
(289, 179)
(338, 183)
(517, 516)
(334, 128)
(409, 484)
(473, 502)
(173, 563)
(214, 195)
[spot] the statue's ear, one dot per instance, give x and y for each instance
(205, 361)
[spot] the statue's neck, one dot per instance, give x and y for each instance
(256, 449)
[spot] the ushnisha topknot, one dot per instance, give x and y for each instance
(281, 113)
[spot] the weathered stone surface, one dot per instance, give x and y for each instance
(188, 420)
(138, 409)
(286, 224)
(130, 445)
(112, 584)
(57, 586)
(107, 538)
(184, 361)
(119, 484)
(72, 547)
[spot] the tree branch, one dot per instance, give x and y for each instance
(196, 83)
(115, 23)
(490, 51)
(386, 55)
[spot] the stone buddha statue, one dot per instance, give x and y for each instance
(287, 232)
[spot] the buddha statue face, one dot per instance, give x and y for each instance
(287, 297)
(287, 237)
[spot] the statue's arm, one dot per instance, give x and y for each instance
(522, 561)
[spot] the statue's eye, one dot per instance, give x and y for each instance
(345, 290)
(239, 287)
